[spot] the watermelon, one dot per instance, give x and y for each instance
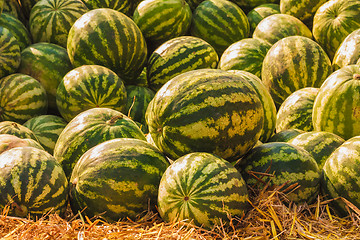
(138, 99)
(162, 20)
(47, 129)
(193, 3)
(267, 103)
(26, 6)
(247, 54)
(202, 188)
(304, 10)
(206, 110)
(247, 5)
(124, 6)
(22, 97)
(220, 23)
(340, 176)
(8, 141)
(179, 55)
(285, 135)
(17, 28)
(296, 110)
(89, 129)
(293, 63)
(16, 129)
(348, 52)
(117, 179)
(278, 26)
(9, 53)
(260, 12)
(319, 144)
(13, 8)
(90, 86)
(51, 20)
(48, 63)
(108, 38)
(333, 21)
(1, 5)
(32, 183)
(288, 165)
(337, 105)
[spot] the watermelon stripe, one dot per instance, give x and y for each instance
(9, 52)
(17, 28)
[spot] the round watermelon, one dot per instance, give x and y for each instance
(9, 53)
(260, 12)
(8, 141)
(348, 52)
(124, 6)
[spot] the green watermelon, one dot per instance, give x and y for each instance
(51, 20)
(47, 129)
(48, 63)
(333, 21)
(124, 6)
(285, 135)
(206, 110)
(293, 63)
(267, 103)
(296, 110)
(337, 105)
(341, 176)
(32, 183)
(319, 144)
(278, 26)
(1, 5)
(138, 99)
(8, 141)
(89, 129)
(260, 12)
(162, 20)
(16, 129)
(247, 5)
(304, 10)
(193, 3)
(348, 52)
(22, 97)
(17, 28)
(179, 55)
(9, 53)
(90, 86)
(288, 165)
(108, 38)
(13, 8)
(117, 179)
(220, 23)
(203, 189)
(26, 6)
(247, 54)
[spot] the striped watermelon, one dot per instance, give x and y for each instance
(301, 9)
(90, 86)
(22, 97)
(293, 63)
(296, 110)
(16, 129)
(288, 164)
(90, 128)
(206, 110)
(337, 105)
(267, 103)
(162, 20)
(9, 53)
(194, 3)
(13, 8)
(220, 23)
(48, 63)
(17, 28)
(278, 26)
(333, 21)
(319, 144)
(32, 183)
(47, 129)
(26, 6)
(247, 5)
(260, 12)
(179, 55)
(247, 54)
(341, 175)
(8, 141)
(138, 99)
(202, 188)
(117, 179)
(348, 52)
(109, 38)
(285, 135)
(51, 20)
(123, 6)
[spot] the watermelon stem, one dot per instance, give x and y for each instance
(356, 76)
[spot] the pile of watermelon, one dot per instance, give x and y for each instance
(118, 107)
